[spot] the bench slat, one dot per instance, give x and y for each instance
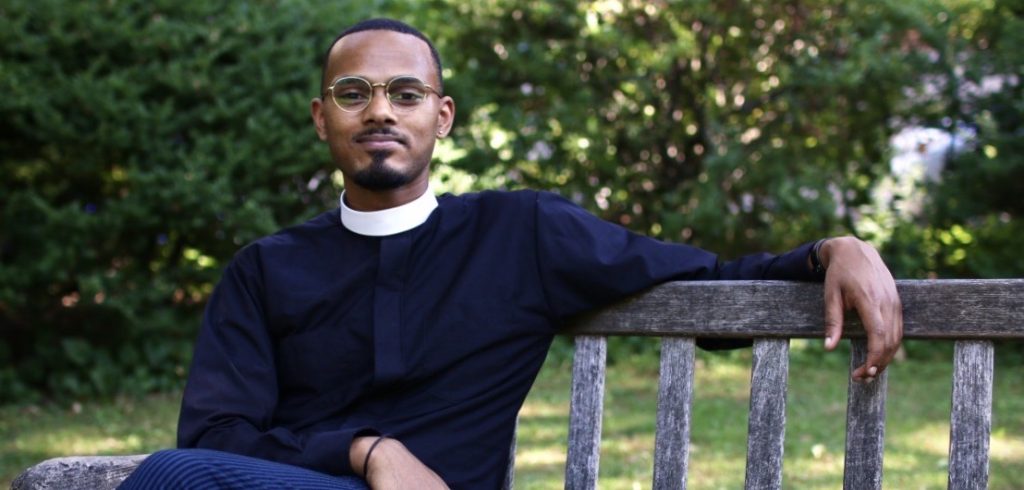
(865, 425)
(978, 308)
(675, 398)
(970, 421)
(585, 410)
(766, 426)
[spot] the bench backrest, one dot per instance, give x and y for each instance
(970, 312)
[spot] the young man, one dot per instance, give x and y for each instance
(395, 339)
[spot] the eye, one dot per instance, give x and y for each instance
(406, 91)
(407, 96)
(351, 96)
(351, 92)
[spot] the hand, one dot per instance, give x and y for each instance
(391, 466)
(856, 278)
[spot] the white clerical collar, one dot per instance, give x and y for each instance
(389, 221)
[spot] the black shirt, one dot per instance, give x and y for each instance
(432, 336)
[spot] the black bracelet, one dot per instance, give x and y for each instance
(816, 264)
(366, 461)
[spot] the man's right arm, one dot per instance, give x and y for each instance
(391, 465)
(232, 390)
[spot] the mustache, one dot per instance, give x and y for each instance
(382, 131)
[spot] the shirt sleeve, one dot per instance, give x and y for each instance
(586, 262)
(231, 393)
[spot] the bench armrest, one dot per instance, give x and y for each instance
(78, 473)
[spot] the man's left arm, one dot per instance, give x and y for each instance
(857, 279)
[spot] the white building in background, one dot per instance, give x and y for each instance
(921, 153)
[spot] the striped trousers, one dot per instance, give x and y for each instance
(203, 469)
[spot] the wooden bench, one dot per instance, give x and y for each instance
(972, 313)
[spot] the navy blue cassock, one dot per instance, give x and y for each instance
(433, 335)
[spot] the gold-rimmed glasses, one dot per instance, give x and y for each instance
(405, 92)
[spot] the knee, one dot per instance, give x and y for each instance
(168, 469)
(170, 458)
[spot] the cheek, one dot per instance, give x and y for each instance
(426, 129)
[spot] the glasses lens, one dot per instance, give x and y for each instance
(351, 93)
(405, 93)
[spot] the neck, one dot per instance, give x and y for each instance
(361, 199)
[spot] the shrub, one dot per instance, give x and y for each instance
(142, 144)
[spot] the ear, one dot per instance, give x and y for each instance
(316, 109)
(445, 117)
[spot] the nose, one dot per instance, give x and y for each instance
(379, 110)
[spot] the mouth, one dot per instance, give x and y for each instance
(379, 140)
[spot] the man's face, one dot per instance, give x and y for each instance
(379, 149)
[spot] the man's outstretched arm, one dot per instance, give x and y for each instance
(857, 279)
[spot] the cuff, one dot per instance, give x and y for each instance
(330, 449)
(795, 265)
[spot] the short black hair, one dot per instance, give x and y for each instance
(384, 24)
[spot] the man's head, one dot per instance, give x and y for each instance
(383, 25)
(383, 148)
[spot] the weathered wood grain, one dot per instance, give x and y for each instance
(970, 422)
(964, 309)
(585, 411)
(865, 425)
(675, 398)
(766, 425)
(78, 472)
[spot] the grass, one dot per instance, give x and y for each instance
(917, 432)
(29, 433)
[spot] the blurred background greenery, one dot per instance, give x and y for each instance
(143, 142)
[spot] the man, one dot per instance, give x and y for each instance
(395, 340)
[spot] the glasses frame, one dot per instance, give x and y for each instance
(373, 87)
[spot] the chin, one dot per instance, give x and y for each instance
(380, 175)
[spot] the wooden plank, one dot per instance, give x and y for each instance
(78, 472)
(865, 426)
(675, 398)
(962, 308)
(970, 421)
(585, 410)
(766, 425)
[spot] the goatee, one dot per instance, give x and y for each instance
(378, 176)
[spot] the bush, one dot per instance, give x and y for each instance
(143, 144)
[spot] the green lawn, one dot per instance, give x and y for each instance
(916, 436)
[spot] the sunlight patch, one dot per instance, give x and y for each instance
(540, 457)
(1006, 448)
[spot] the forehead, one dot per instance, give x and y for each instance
(380, 55)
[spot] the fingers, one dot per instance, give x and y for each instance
(883, 332)
(878, 353)
(833, 315)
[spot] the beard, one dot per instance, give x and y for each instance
(379, 176)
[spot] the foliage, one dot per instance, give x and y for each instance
(143, 143)
(971, 225)
(730, 126)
